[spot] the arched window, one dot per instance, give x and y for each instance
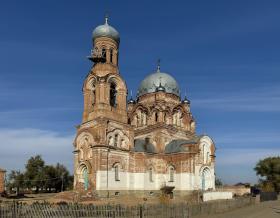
(111, 55)
(144, 118)
(156, 117)
(129, 121)
(179, 120)
(164, 117)
(82, 153)
(113, 95)
(111, 141)
(116, 140)
(117, 173)
(171, 174)
(104, 53)
(151, 174)
(174, 119)
(93, 96)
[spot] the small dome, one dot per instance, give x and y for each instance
(106, 30)
(160, 88)
(158, 81)
(131, 101)
(186, 101)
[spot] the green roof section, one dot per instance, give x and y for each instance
(142, 145)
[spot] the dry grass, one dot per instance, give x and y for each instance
(87, 198)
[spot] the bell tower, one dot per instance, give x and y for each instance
(104, 127)
(104, 90)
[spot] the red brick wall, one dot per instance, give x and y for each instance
(2, 181)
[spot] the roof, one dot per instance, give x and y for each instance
(177, 145)
(142, 145)
(158, 81)
(2, 170)
(106, 30)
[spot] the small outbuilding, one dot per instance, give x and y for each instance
(2, 180)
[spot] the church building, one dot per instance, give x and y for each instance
(142, 144)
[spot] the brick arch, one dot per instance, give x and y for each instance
(122, 138)
(91, 82)
(83, 173)
(141, 107)
(120, 84)
(84, 135)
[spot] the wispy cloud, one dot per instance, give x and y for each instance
(18, 145)
(257, 100)
(251, 139)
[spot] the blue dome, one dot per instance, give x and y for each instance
(106, 30)
(159, 81)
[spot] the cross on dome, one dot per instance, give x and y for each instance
(158, 65)
(106, 18)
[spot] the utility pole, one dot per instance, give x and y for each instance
(108, 150)
(62, 177)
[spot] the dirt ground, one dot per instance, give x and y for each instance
(269, 209)
(71, 197)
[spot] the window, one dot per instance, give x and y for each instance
(151, 174)
(93, 96)
(111, 55)
(103, 53)
(116, 140)
(156, 117)
(113, 95)
(174, 119)
(117, 176)
(171, 174)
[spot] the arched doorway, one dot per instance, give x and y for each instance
(206, 179)
(85, 178)
(83, 175)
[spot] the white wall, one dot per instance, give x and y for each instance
(140, 181)
(209, 196)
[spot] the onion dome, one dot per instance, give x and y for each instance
(186, 101)
(160, 88)
(158, 81)
(106, 30)
(131, 101)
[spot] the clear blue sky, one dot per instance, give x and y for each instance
(226, 54)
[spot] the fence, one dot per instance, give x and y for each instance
(220, 206)
(183, 210)
(268, 196)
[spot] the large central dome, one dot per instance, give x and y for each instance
(158, 81)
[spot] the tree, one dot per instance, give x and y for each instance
(51, 176)
(57, 178)
(34, 173)
(16, 180)
(269, 170)
(42, 177)
(218, 182)
(66, 180)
